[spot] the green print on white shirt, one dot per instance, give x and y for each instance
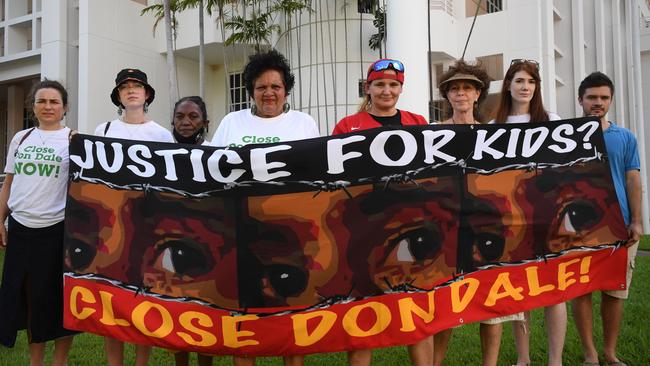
(249, 139)
(50, 165)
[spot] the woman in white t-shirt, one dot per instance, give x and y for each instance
(268, 80)
(132, 95)
(521, 102)
(33, 197)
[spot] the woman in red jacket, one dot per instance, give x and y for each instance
(383, 87)
(384, 84)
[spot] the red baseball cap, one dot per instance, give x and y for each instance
(377, 70)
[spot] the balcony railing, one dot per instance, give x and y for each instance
(444, 5)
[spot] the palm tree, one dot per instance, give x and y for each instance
(220, 6)
(171, 60)
(256, 30)
(201, 6)
(157, 10)
(289, 8)
(167, 11)
(377, 40)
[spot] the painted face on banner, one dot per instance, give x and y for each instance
(581, 207)
(505, 207)
(333, 245)
(172, 246)
(398, 234)
(290, 258)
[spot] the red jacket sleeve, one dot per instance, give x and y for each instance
(339, 128)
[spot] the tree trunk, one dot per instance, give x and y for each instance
(171, 61)
(201, 52)
(222, 29)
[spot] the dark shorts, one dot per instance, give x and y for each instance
(31, 294)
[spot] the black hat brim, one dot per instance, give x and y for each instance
(115, 94)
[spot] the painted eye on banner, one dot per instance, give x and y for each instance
(578, 216)
(417, 245)
(287, 280)
(78, 254)
(184, 258)
(490, 246)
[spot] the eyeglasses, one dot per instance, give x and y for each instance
(382, 65)
(130, 85)
(524, 61)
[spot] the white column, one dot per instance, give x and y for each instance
(54, 39)
(601, 43)
(638, 122)
(407, 40)
(578, 33)
(84, 124)
(619, 67)
(547, 57)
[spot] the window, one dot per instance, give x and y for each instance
(439, 71)
(439, 110)
(365, 6)
(487, 7)
(494, 6)
(29, 38)
(27, 118)
(238, 95)
(493, 64)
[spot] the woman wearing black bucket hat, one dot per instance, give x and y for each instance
(132, 96)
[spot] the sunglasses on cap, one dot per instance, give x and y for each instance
(524, 61)
(387, 64)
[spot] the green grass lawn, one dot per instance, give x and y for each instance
(464, 349)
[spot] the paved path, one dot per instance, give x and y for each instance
(643, 253)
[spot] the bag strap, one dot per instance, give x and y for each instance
(22, 139)
(108, 125)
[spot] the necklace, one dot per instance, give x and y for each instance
(44, 140)
(474, 122)
(132, 128)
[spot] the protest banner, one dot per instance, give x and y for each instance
(372, 239)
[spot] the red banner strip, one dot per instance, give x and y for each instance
(100, 307)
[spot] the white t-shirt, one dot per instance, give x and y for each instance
(524, 118)
(242, 128)
(40, 168)
(148, 131)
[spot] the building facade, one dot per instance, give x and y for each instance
(83, 43)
